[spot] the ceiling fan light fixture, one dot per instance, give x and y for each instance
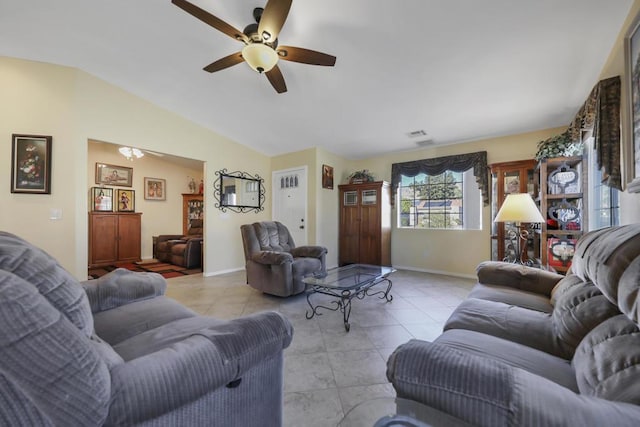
(260, 57)
(130, 153)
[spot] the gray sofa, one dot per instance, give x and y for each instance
(273, 262)
(532, 348)
(116, 351)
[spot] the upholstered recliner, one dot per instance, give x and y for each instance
(273, 262)
(182, 250)
(115, 351)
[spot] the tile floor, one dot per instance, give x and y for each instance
(327, 370)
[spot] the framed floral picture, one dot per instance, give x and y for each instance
(102, 199)
(155, 189)
(126, 200)
(31, 164)
(114, 175)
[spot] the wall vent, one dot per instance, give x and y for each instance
(416, 133)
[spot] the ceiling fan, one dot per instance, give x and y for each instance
(261, 50)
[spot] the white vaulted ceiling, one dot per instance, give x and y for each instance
(458, 69)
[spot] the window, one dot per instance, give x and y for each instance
(604, 205)
(450, 200)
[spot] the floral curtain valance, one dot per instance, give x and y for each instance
(600, 113)
(438, 165)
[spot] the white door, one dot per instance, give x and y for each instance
(290, 201)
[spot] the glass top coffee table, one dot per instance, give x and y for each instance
(346, 283)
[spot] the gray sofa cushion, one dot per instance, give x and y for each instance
(513, 354)
(39, 269)
(126, 321)
(512, 296)
(607, 362)
(48, 359)
(629, 291)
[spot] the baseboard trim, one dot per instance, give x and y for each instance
(428, 270)
(220, 272)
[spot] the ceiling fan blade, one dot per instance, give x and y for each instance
(273, 17)
(226, 62)
(276, 79)
(208, 18)
(305, 56)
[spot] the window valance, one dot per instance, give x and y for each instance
(438, 165)
(600, 114)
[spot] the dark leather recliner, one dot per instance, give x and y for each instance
(182, 250)
(273, 262)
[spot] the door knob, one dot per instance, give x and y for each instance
(302, 227)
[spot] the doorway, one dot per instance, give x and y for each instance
(290, 201)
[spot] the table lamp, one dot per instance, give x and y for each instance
(519, 208)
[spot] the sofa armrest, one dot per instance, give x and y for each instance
(122, 286)
(158, 383)
(272, 257)
(487, 392)
(309, 251)
(517, 276)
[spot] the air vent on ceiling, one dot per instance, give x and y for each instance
(416, 133)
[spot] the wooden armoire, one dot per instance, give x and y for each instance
(365, 223)
(114, 237)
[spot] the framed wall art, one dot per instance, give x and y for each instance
(31, 164)
(126, 200)
(632, 71)
(327, 177)
(114, 175)
(102, 199)
(155, 188)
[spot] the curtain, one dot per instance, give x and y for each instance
(438, 165)
(601, 114)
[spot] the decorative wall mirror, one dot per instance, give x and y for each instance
(239, 191)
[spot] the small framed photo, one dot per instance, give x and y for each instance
(31, 164)
(126, 200)
(102, 199)
(561, 251)
(327, 177)
(155, 189)
(114, 175)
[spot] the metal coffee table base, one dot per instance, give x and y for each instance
(344, 297)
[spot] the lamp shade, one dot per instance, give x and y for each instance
(260, 57)
(519, 207)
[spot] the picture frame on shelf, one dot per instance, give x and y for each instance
(327, 177)
(126, 200)
(121, 176)
(631, 148)
(560, 251)
(31, 164)
(155, 188)
(101, 199)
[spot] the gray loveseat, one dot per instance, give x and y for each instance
(115, 351)
(532, 348)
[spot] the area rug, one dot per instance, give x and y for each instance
(166, 270)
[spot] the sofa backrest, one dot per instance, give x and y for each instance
(50, 373)
(588, 295)
(42, 271)
(273, 236)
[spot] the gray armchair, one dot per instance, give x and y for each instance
(273, 262)
(116, 351)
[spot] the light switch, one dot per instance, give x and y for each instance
(55, 214)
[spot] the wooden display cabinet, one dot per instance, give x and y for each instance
(114, 237)
(365, 223)
(563, 203)
(506, 178)
(192, 208)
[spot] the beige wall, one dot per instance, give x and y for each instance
(159, 216)
(456, 252)
(75, 107)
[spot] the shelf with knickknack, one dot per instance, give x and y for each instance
(563, 202)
